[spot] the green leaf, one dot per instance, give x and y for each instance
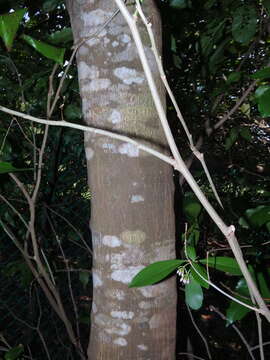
(264, 103)
(84, 278)
(202, 271)
(266, 4)
(14, 353)
(180, 4)
(49, 51)
(73, 112)
(245, 133)
(233, 77)
(231, 139)
(193, 294)
(263, 285)
(259, 215)
(261, 74)
(244, 25)
(261, 90)
(6, 167)
(9, 24)
(242, 222)
(155, 272)
(61, 37)
(223, 263)
(50, 5)
(191, 252)
(237, 311)
(245, 109)
(191, 207)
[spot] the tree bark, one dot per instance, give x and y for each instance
(132, 217)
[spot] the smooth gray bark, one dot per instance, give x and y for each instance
(132, 218)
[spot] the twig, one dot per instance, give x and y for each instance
(193, 148)
(212, 308)
(228, 231)
(199, 332)
(96, 131)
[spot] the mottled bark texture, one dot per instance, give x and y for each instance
(132, 219)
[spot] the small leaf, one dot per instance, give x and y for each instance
(73, 112)
(231, 139)
(193, 294)
(61, 37)
(233, 77)
(259, 215)
(191, 207)
(6, 167)
(245, 109)
(49, 51)
(50, 5)
(223, 263)
(9, 24)
(244, 25)
(237, 311)
(155, 272)
(264, 104)
(84, 278)
(202, 271)
(261, 74)
(191, 252)
(180, 4)
(246, 133)
(14, 353)
(242, 221)
(261, 90)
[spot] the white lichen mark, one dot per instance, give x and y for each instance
(136, 198)
(126, 275)
(126, 315)
(136, 237)
(120, 341)
(111, 241)
(128, 75)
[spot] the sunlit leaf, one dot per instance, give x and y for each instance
(155, 272)
(9, 24)
(244, 25)
(49, 51)
(191, 252)
(264, 103)
(237, 311)
(193, 294)
(223, 263)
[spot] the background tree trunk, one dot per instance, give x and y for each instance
(132, 217)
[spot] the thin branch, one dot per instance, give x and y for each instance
(212, 308)
(199, 332)
(93, 130)
(228, 231)
(193, 148)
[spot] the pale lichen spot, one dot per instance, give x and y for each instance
(156, 321)
(99, 84)
(96, 280)
(115, 43)
(124, 38)
(136, 237)
(118, 327)
(111, 241)
(106, 41)
(136, 198)
(142, 347)
(126, 275)
(89, 153)
(129, 149)
(93, 42)
(95, 17)
(109, 148)
(128, 76)
(120, 341)
(145, 305)
(126, 315)
(115, 117)
(116, 294)
(94, 308)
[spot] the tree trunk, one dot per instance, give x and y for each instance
(132, 218)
